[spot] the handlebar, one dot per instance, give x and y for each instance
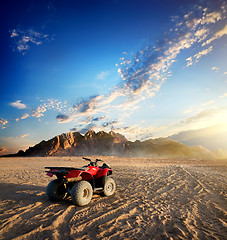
(98, 160)
(92, 163)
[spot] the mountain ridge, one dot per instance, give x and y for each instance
(103, 143)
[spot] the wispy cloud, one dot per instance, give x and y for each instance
(75, 129)
(110, 124)
(87, 128)
(207, 114)
(87, 106)
(199, 119)
(84, 108)
(102, 75)
(22, 40)
(135, 132)
(143, 73)
(187, 111)
(18, 104)
(49, 104)
(97, 119)
(62, 117)
(208, 103)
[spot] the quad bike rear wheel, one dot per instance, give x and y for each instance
(109, 187)
(56, 190)
(81, 193)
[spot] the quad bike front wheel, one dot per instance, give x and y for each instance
(109, 187)
(81, 193)
(56, 190)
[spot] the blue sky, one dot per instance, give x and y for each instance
(142, 68)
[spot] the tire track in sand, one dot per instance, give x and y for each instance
(206, 208)
(151, 202)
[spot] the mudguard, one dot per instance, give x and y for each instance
(103, 172)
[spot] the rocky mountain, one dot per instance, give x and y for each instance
(102, 143)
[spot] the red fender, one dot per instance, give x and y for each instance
(103, 172)
(86, 176)
(76, 173)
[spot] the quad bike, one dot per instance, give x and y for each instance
(80, 183)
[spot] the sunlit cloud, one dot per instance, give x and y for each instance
(217, 35)
(202, 34)
(18, 104)
(216, 69)
(211, 17)
(201, 16)
(198, 55)
(3, 123)
(203, 52)
(26, 115)
(39, 111)
(23, 39)
(54, 104)
(224, 95)
(189, 61)
(24, 135)
(3, 149)
(49, 104)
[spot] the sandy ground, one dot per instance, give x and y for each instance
(154, 199)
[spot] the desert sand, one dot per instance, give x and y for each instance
(154, 199)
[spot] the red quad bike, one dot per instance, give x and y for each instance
(80, 183)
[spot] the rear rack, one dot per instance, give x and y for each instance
(65, 168)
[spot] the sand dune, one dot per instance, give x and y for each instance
(155, 199)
